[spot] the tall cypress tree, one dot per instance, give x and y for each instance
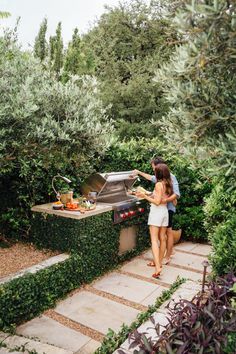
(78, 59)
(40, 44)
(56, 50)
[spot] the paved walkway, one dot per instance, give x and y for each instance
(78, 324)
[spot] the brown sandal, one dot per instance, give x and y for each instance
(151, 264)
(156, 275)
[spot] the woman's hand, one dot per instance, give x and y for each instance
(140, 194)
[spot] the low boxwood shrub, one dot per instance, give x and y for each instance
(206, 324)
(26, 297)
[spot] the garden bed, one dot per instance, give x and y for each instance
(18, 256)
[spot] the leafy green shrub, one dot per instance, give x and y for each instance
(220, 222)
(25, 297)
(199, 84)
(220, 204)
(193, 187)
(46, 127)
(223, 241)
(231, 344)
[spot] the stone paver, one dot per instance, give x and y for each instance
(169, 274)
(96, 312)
(125, 286)
(89, 348)
(185, 260)
(185, 246)
(139, 266)
(49, 331)
(151, 299)
(41, 348)
(204, 250)
(99, 313)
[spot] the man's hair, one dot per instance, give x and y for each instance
(156, 160)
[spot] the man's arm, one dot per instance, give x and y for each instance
(142, 174)
(175, 186)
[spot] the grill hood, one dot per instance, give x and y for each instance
(110, 187)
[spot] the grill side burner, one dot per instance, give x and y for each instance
(112, 189)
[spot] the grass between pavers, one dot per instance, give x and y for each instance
(113, 340)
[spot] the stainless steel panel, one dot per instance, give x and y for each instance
(108, 183)
(94, 183)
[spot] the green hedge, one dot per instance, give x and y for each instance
(193, 186)
(223, 240)
(94, 245)
(220, 222)
(26, 297)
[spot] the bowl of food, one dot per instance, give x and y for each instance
(57, 205)
(87, 205)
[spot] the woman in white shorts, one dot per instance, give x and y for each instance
(158, 217)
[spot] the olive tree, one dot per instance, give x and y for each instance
(46, 127)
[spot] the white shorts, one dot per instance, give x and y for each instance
(158, 215)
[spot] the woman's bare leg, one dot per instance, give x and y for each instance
(162, 237)
(154, 231)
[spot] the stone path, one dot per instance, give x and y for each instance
(78, 324)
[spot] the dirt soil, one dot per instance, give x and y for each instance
(19, 256)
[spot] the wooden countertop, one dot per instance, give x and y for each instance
(47, 208)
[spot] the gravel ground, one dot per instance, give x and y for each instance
(20, 256)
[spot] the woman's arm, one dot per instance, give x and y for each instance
(171, 198)
(157, 199)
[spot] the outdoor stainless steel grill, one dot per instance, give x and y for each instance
(112, 188)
